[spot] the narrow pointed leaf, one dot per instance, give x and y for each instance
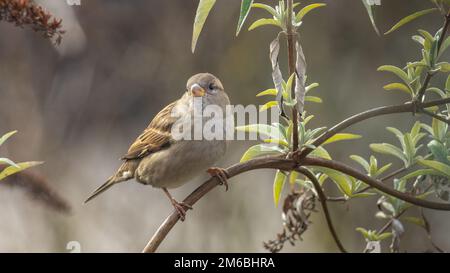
(268, 92)
(397, 71)
(410, 18)
(370, 10)
(313, 99)
(260, 150)
(6, 136)
(267, 8)
(13, 170)
(268, 105)
(264, 22)
(397, 86)
(203, 9)
(306, 10)
(441, 168)
(8, 162)
(361, 162)
(245, 10)
(340, 137)
(278, 183)
(386, 148)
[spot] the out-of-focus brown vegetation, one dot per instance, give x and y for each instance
(37, 188)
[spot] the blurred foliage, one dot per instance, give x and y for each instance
(11, 167)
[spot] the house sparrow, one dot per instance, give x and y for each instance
(159, 159)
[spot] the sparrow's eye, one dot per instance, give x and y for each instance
(211, 86)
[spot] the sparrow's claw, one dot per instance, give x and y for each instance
(181, 208)
(220, 174)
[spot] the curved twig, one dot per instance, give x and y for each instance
(408, 107)
(323, 201)
(258, 163)
(338, 166)
(287, 164)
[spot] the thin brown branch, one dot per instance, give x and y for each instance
(291, 60)
(281, 163)
(408, 107)
(323, 201)
(258, 163)
(286, 164)
(436, 116)
(338, 166)
(384, 179)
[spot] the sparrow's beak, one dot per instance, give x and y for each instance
(197, 90)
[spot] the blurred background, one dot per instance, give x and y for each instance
(79, 106)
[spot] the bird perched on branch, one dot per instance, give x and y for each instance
(161, 158)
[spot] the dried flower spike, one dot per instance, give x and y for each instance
(27, 13)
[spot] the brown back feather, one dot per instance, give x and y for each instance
(155, 137)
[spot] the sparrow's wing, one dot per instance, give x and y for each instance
(155, 137)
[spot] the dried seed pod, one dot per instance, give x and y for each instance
(27, 13)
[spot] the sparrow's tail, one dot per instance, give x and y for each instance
(125, 172)
(101, 189)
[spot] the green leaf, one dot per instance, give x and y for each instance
(370, 9)
(415, 220)
(203, 9)
(267, 8)
(260, 150)
(341, 180)
(6, 136)
(389, 149)
(397, 71)
(306, 10)
(268, 92)
(439, 151)
(382, 169)
(278, 183)
(262, 129)
(410, 18)
(363, 231)
(8, 162)
(428, 39)
(439, 129)
(418, 173)
(447, 84)
(293, 177)
(444, 47)
(384, 236)
(441, 168)
(277, 141)
(340, 137)
(263, 22)
(361, 161)
(397, 86)
(311, 87)
(21, 166)
(268, 105)
(313, 99)
(443, 67)
(321, 152)
(245, 10)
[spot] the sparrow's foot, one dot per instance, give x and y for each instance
(181, 208)
(221, 174)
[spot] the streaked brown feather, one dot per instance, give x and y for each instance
(155, 137)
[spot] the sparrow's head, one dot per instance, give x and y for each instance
(209, 88)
